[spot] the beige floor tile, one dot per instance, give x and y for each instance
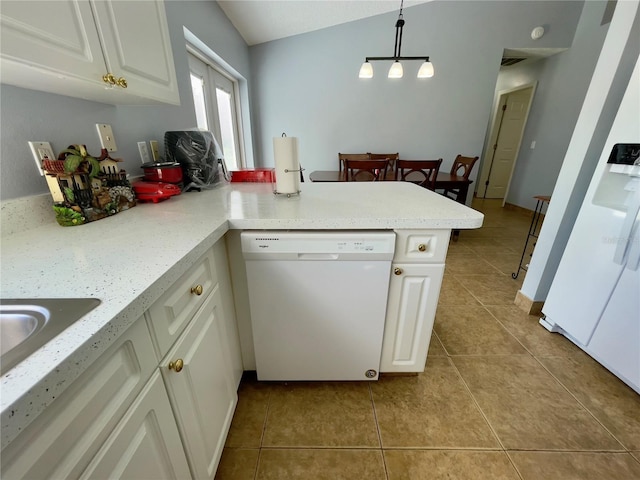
(441, 465)
(636, 455)
(326, 464)
(435, 348)
(527, 329)
(468, 263)
(432, 409)
(528, 408)
(603, 394)
(491, 250)
(453, 293)
(575, 466)
(506, 263)
(250, 415)
(472, 330)
(238, 464)
(321, 414)
(490, 289)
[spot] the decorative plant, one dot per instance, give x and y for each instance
(76, 159)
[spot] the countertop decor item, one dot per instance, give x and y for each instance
(87, 188)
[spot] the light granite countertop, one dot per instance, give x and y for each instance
(130, 259)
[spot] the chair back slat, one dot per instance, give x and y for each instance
(342, 157)
(421, 172)
(462, 166)
(366, 170)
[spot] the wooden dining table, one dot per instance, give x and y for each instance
(443, 181)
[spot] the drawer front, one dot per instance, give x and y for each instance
(171, 313)
(421, 246)
(62, 440)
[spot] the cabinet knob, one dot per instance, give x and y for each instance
(177, 365)
(397, 271)
(422, 247)
(197, 289)
(109, 78)
(122, 82)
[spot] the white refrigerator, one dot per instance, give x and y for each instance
(594, 299)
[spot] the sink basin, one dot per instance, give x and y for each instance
(27, 324)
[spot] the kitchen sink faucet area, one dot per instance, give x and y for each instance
(500, 398)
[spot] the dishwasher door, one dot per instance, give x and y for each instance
(318, 302)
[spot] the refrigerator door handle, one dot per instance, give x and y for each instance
(634, 249)
(625, 240)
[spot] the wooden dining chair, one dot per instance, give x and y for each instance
(366, 170)
(392, 157)
(420, 172)
(462, 167)
(342, 157)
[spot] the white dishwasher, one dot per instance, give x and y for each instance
(318, 302)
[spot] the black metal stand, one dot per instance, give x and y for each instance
(534, 230)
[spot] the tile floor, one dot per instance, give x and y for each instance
(500, 398)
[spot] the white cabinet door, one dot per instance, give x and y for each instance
(145, 444)
(57, 36)
(202, 392)
(231, 337)
(62, 440)
(411, 309)
(67, 46)
(137, 47)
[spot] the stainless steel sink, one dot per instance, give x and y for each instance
(27, 324)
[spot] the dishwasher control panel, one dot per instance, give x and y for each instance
(306, 244)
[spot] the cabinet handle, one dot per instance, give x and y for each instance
(109, 78)
(122, 82)
(197, 290)
(422, 247)
(397, 271)
(177, 365)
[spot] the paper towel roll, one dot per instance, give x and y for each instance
(285, 152)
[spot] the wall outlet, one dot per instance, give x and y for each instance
(155, 150)
(107, 139)
(144, 152)
(41, 151)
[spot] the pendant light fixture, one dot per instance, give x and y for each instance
(396, 70)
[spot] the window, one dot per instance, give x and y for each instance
(215, 100)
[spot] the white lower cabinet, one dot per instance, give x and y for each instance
(411, 309)
(145, 444)
(128, 415)
(61, 442)
(199, 380)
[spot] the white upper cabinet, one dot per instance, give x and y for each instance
(67, 47)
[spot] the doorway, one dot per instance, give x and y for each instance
(505, 140)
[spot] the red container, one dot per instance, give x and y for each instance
(167, 172)
(155, 191)
(256, 175)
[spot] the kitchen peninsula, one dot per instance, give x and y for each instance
(130, 261)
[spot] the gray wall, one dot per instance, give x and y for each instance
(308, 85)
(562, 82)
(29, 115)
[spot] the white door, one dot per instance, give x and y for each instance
(215, 100)
(145, 444)
(202, 393)
(508, 128)
(53, 36)
(411, 310)
(139, 51)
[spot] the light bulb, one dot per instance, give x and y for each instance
(426, 70)
(366, 70)
(396, 70)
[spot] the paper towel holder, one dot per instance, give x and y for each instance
(286, 170)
